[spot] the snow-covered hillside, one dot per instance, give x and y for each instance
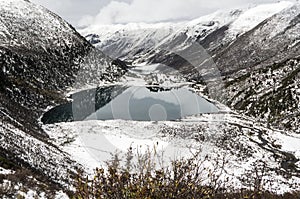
(40, 22)
(252, 17)
(41, 56)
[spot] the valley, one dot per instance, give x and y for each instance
(224, 86)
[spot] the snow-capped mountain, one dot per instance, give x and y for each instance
(133, 41)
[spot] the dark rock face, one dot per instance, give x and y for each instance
(93, 38)
(32, 82)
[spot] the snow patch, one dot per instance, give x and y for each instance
(254, 16)
(5, 171)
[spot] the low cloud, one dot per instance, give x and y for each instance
(159, 10)
(92, 12)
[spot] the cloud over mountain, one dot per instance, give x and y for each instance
(159, 10)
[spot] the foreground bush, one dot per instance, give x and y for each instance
(182, 180)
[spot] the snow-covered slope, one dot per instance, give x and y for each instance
(245, 144)
(41, 56)
(273, 40)
(263, 70)
(252, 17)
(41, 23)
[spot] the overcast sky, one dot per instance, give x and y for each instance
(85, 12)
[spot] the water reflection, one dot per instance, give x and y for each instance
(133, 103)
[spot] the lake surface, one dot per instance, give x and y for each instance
(153, 104)
(131, 103)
